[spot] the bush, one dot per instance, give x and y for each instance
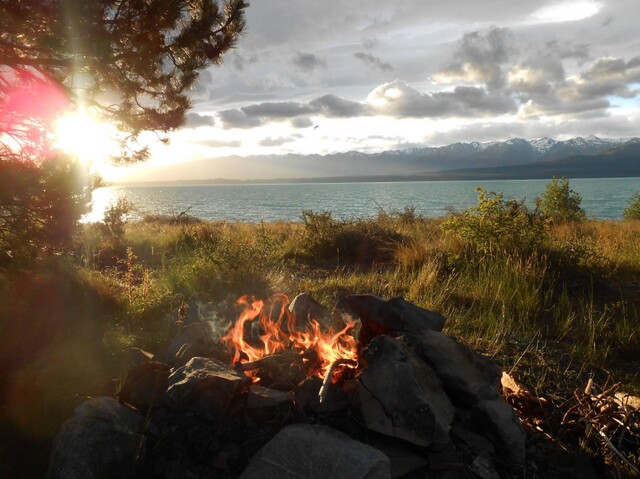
(560, 203)
(632, 211)
(497, 224)
(40, 205)
(351, 241)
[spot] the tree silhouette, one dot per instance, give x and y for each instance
(131, 61)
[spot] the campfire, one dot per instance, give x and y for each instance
(290, 389)
(270, 347)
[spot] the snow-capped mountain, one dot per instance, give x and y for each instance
(515, 152)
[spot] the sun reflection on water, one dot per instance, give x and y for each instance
(101, 199)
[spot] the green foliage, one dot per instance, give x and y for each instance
(354, 241)
(115, 218)
(39, 208)
(146, 54)
(560, 203)
(632, 211)
(496, 224)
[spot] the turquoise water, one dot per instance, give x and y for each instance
(602, 198)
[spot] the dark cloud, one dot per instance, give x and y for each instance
(610, 76)
(194, 120)
(238, 119)
(333, 106)
(479, 56)
(260, 113)
(398, 99)
(373, 61)
(308, 62)
(301, 123)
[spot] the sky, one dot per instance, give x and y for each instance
(370, 75)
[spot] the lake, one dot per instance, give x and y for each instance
(602, 198)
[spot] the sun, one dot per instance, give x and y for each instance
(81, 134)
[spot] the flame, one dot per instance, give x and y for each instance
(279, 333)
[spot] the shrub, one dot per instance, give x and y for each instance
(351, 241)
(560, 203)
(632, 211)
(497, 224)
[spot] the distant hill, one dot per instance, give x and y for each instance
(545, 157)
(622, 161)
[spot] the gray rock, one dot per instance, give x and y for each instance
(199, 339)
(137, 356)
(100, 440)
(305, 308)
(205, 387)
(505, 425)
(145, 384)
(467, 376)
(402, 397)
(396, 316)
(316, 452)
(402, 460)
(260, 398)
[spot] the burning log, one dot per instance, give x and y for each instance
(327, 378)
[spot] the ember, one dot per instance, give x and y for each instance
(267, 328)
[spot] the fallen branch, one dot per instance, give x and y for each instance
(322, 394)
(621, 456)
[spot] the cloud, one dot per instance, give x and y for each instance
(195, 120)
(240, 61)
(373, 61)
(235, 118)
(259, 114)
(333, 106)
(369, 43)
(610, 76)
(309, 62)
(215, 143)
(269, 141)
(479, 56)
(398, 99)
(301, 123)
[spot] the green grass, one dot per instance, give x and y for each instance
(551, 315)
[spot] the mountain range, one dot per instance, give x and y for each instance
(515, 158)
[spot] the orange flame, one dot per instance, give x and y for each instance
(281, 334)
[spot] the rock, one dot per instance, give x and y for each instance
(202, 339)
(402, 397)
(402, 460)
(316, 452)
(483, 467)
(137, 356)
(308, 402)
(265, 405)
(145, 384)
(100, 440)
(305, 308)
(206, 387)
(395, 316)
(501, 420)
(467, 376)
(265, 398)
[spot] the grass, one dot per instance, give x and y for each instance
(579, 289)
(551, 315)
